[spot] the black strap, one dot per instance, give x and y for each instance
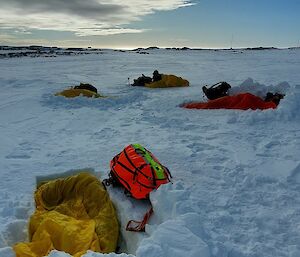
(116, 174)
(125, 167)
(168, 171)
(140, 151)
(114, 161)
(154, 178)
(139, 169)
(219, 83)
(150, 187)
(135, 171)
(129, 160)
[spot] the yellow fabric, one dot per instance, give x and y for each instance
(169, 81)
(73, 215)
(78, 92)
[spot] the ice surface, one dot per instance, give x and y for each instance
(236, 185)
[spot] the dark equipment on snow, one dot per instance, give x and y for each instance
(275, 98)
(141, 81)
(87, 87)
(156, 76)
(160, 80)
(217, 90)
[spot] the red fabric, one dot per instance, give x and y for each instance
(243, 101)
(139, 226)
(135, 174)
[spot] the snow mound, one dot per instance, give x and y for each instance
(176, 222)
(287, 110)
(110, 102)
(255, 88)
(183, 239)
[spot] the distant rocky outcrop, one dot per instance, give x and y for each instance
(152, 48)
(146, 49)
(50, 51)
(75, 49)
(42, 51)
(261, 48)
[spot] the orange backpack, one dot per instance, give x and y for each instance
(136, 169)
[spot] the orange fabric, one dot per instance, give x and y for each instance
(139, 182)
(243, 101)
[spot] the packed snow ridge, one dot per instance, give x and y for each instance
(236, 174)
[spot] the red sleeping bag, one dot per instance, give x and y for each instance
(243, 101)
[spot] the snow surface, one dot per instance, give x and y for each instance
(236, 174)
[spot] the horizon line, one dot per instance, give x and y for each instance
(153, 47)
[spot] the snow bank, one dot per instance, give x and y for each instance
(89, 254)
(175, 221)
(287, 109)
(249, 85)
(7, 252)
(109, 102)
(183, 239)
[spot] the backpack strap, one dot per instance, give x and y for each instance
(157, 168)
(137, 169)
(139, 226)
(169, 173)
(219, 83)
(217, 90)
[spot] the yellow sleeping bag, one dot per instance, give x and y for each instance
(72, 92)
(73, 215)
(168, 81)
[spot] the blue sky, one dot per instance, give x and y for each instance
(164, 23)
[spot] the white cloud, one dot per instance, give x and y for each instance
(11, 40)
(84, 18)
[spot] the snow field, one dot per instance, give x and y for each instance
(235, 191)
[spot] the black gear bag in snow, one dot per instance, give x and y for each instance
(217, 90)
